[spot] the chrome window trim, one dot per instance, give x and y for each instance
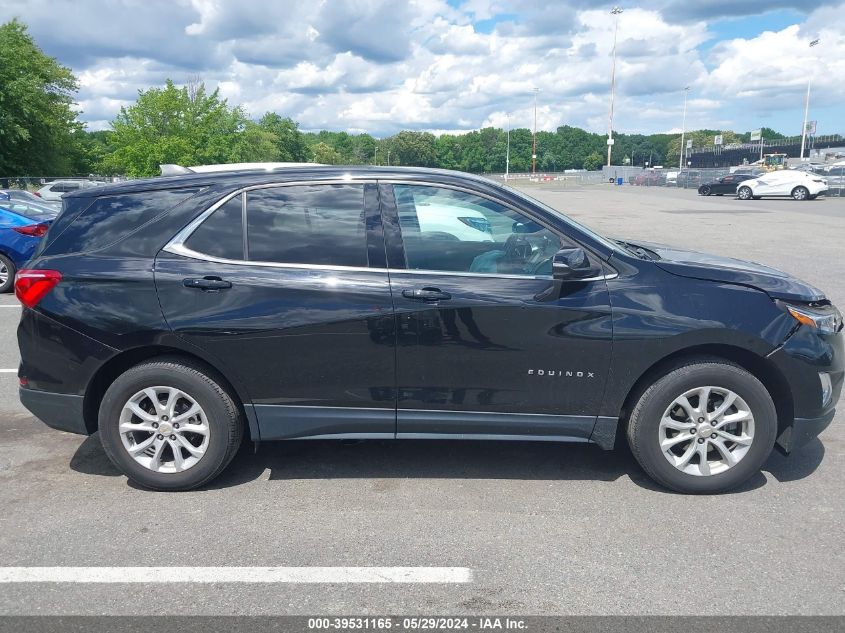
(176, 245)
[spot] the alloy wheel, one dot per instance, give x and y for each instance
(706, 431)
(164, 429)
(744, 193)
(4, 274)
(800, 193)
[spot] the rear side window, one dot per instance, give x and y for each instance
(111, 218)
(221, 235)
(307, 224)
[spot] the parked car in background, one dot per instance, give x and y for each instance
(22, 224)
(650, 178)
(19, 195)
(56, 189)
(723, 185)
(835, 177)
(746, 170)
(304, 303)
(671, 178)
(688, 178)
(799, 185)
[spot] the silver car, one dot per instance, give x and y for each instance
(53, 191)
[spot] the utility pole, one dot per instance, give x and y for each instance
(683, 131)
(615, 11)
(388, 158)
(508, 149)
(534, 137)
(375, 156)
(807, 105)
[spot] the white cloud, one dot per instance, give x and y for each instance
(383, 66)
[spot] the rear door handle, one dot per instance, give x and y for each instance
(207, 283)
(426, 294)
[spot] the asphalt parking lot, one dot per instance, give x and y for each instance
(539, 528)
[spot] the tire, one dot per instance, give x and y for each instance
(645, 428)
(704, 190)
(800, 193)
(7, 274)
(219, 425)
(744, 193)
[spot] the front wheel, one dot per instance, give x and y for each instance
(167, 425)
(705, 427)
(744, 193)
(704, 190)
(800, 193)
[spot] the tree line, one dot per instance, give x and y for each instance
(40, 133)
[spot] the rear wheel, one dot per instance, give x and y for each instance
(167, 425)
(7, 274)
(800, 193)
(744, 193)
(705, 427)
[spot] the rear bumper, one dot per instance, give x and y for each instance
(58, 410)
(802, 431)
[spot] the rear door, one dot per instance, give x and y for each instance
(286, 287)
(483, 348)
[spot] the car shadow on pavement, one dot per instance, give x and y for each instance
(443, 459)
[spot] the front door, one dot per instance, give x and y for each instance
(285, 287)
(484, 348)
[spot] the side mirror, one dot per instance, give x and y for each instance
(571, 263)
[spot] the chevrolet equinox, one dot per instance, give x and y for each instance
(176, 314)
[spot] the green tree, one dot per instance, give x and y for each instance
(37, 120)
(593, 161)
(413, 148)
(183, 125)
(326, 154)
(289, 140)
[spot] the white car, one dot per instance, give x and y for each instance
(441, 220)
(800, 185)
(53, 191)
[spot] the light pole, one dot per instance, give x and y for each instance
(807, 106)
(388, 158)
(375, 156)
(508, 148)
(615, 11)
(683, 130)
(534, 137)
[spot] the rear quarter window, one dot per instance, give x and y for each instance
(109, 219)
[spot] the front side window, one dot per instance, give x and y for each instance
(307, 224)
(454, 231)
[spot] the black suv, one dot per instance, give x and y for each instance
(176, 314)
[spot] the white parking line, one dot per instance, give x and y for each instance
(8, 371)
(236, 574)
(13, 305)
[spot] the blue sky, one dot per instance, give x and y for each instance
(454, 65)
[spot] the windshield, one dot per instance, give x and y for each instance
(30, 210)
(610, 244)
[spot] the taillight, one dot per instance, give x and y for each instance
(31, 286)
(32, 230)
(36, 194)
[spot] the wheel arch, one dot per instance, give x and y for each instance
(759, 367)
(127, 359)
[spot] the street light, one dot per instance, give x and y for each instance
(534, 136)
(508, 148)
(375, 156)
(615, 11)
(807, 105)
(683, 130)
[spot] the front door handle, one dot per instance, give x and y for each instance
(426, 294)
(207, 283)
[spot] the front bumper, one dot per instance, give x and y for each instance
(58, 410)
(802, 431)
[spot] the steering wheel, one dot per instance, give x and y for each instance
(517, 249)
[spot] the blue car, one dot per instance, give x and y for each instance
(22, 225)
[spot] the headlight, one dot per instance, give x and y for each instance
(823, 317)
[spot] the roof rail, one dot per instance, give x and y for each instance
(179, 170)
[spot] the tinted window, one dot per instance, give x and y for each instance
(111, 218)
(36, 212)
(307, 224)
(449, 230)
(221, 235)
